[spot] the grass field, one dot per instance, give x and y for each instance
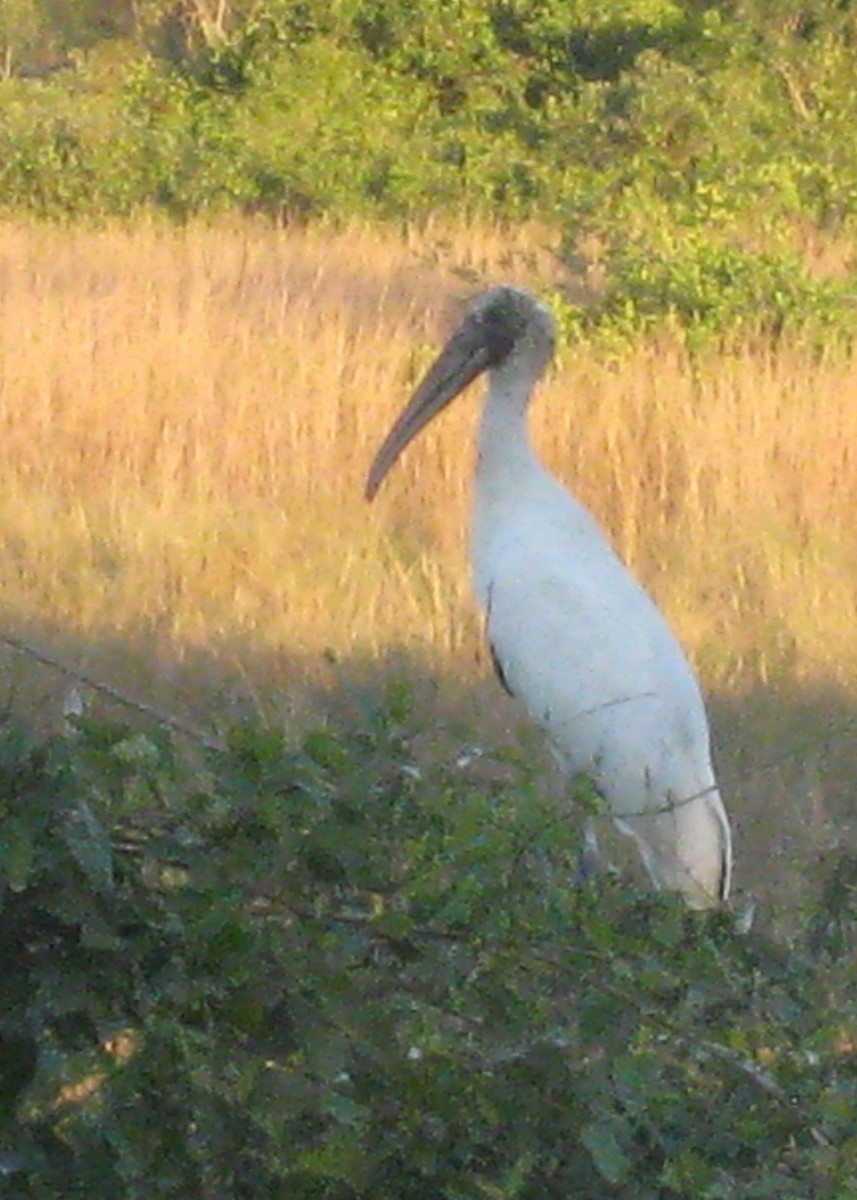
(186, 419)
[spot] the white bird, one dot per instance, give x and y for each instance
(573, 635)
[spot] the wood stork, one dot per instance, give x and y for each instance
(572, 634)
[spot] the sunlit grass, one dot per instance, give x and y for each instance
(187, 416)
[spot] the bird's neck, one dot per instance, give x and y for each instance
(505, 453)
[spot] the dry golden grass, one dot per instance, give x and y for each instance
(186, 418)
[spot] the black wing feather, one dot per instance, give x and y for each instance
(498, 670)
(498, 666)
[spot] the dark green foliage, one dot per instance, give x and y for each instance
(690, 141)
(502, 107)
(704, 291)
(324, 972)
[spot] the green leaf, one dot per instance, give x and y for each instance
(600, 1139)
(16, 852)
(90, 845)
(325, 749)
(136, 751)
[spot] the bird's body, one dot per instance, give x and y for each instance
(573, 635)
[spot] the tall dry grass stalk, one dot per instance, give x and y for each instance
(186, 418)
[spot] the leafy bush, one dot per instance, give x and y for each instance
(681, 134)
(703, 290)
(327, 972)
(721, 114)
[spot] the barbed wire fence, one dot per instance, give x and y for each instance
(86, 679)
(79, 677)
(169, 720)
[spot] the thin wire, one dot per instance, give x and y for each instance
(162, 717)
(105, 689)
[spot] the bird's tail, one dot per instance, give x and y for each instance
(686, 847)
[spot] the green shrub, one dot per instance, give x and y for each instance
(327, 972)
(703, 290)
(680, 134)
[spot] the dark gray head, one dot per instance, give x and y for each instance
(511, 321)
(505, 329)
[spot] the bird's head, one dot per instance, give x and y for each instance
(511, 323)
(504, 329)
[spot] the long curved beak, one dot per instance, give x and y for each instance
(463, 358)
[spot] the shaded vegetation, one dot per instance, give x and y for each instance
(321, 972)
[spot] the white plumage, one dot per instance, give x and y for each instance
(573, 635)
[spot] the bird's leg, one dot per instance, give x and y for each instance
(590, 855)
